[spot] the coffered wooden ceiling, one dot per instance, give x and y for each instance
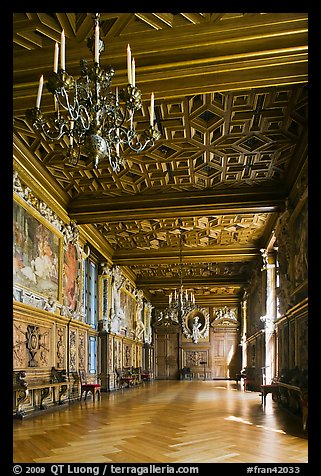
(231, 104)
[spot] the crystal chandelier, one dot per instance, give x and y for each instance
(89, 113)
(182, 301)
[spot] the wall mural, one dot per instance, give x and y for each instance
(35, 253)
(47, 256)
(71, 277)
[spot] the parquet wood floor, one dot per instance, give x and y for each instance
(164, 422)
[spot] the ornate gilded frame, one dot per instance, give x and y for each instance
(195, 324)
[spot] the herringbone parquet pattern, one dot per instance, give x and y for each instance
(164, 422)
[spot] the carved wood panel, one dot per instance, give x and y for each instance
(166, 356)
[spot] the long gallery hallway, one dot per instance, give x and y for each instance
(164, 422)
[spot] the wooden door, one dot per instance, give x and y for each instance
(219, 363)
(224, 349)
(167, 356)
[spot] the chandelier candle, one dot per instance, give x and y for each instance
(39, 92)
(129, 65)
(97, 44)
(152, 110)
(133, 72)
(63, 51)
(56, 55)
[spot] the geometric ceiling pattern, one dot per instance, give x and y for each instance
(218, 140)
(198, 232)
(231, 103)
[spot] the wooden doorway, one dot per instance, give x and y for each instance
(167, 355)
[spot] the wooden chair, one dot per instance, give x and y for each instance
(86, 386)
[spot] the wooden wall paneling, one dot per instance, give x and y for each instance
(302, 342)
(60, 346)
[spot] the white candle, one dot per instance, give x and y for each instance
(63, 51)
(117, 143)
(97, 44)
(56, 54)
(152, 110)
(71, 133)
(116, 93)
(129, 65)
(39, 92)
(133, 72)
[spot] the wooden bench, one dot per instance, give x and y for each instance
(269, 388)
(146, 375)
(294, 398)
(87, 386)
(23, 387)
(124, 377)
(290, 396)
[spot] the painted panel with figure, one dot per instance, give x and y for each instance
(128, 306)
(36, 251)
(71, 277)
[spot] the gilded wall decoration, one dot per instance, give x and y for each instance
(60, 347)
(110, 354)
(195, 325)
(36, 251)
(73, 350)
(225, 316)
(194, 358)
(127, 355)
(118, 353)
(19, 346)
(82, 350)
(37, 343)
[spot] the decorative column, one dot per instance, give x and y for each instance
(270, 316)
(244, 331)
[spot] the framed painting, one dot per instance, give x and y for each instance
(37, 251)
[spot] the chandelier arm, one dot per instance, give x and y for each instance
(138, 146)
(84, 125)
(54, 134)
(73, 111)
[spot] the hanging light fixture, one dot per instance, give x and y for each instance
(182, 310)
(89, 113)
(181, 301)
